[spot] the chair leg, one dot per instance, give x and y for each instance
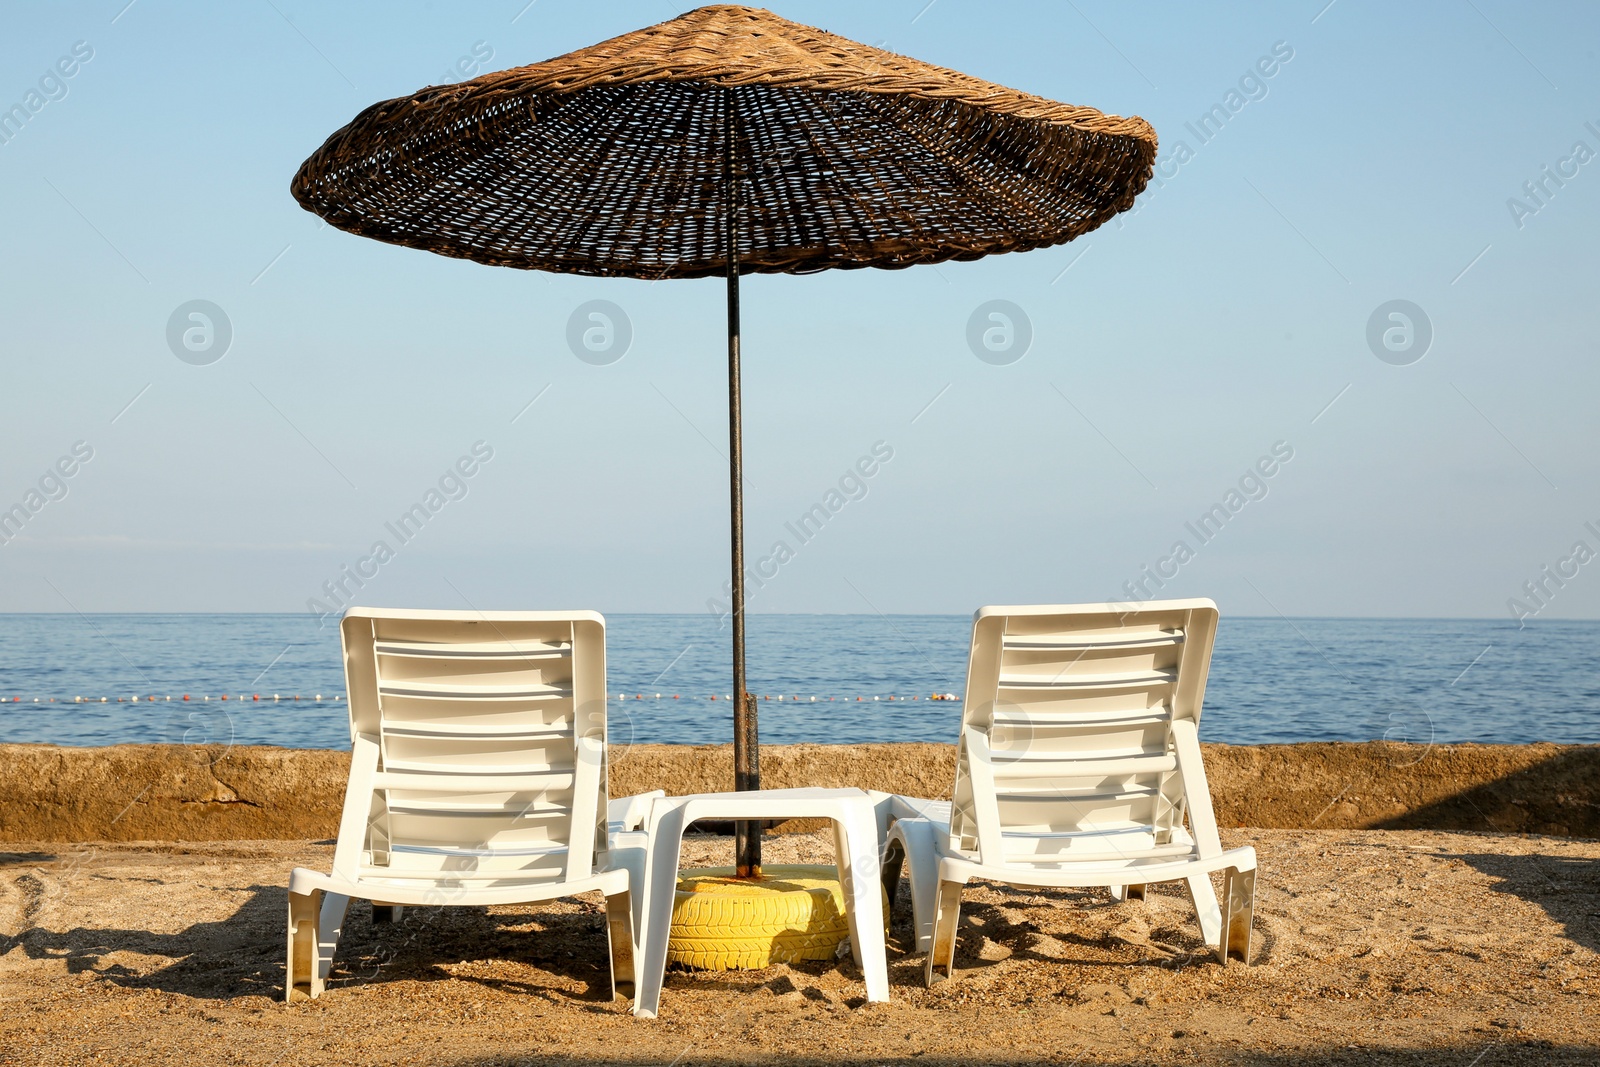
(619, 933)
(302, 979)
(894, 858)
(1127, 892)
(1239, 894)
(386, 913)
(629, 851)
(330, 924)
(918, 843)
(946, 918)
(1206, 909)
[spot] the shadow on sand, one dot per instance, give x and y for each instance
(1553, 797)
(243, 955)
(1566, 887)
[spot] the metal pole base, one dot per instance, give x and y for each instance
(746, 776)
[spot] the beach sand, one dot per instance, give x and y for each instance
(1395, 946)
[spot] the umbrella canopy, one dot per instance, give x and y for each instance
(610, 160)
(726, 141)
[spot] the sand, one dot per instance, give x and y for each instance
(1417, 904)
(1422, 947)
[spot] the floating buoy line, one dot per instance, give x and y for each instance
(318, 698)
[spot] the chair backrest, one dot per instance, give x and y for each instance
(487, 731)
(1078, 733)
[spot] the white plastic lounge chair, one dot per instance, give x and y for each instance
(1079, 763)
(478, 777)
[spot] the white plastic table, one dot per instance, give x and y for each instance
(855, 818)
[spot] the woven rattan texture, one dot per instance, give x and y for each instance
(610, 160)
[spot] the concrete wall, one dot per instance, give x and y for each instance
(183, 793)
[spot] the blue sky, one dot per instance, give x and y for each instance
(1172, 350)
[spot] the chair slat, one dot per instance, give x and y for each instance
(1066, 682)
(469, 650)
(456, 690)
(1068, 641)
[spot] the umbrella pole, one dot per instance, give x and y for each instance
(746, 760)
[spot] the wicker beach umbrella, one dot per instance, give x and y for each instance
(726, 141)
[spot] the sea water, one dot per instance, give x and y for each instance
(1272, 680)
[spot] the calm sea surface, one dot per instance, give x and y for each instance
(1271, 679)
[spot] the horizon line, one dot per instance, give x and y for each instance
(841, 615)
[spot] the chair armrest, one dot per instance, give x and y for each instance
(985, 806)
(1202, 820)
(352, 842)
(629, 813)
(903, 807)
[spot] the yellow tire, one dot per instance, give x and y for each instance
(722, 923)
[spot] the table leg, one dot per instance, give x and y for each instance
(666, 837)
(858, 870)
